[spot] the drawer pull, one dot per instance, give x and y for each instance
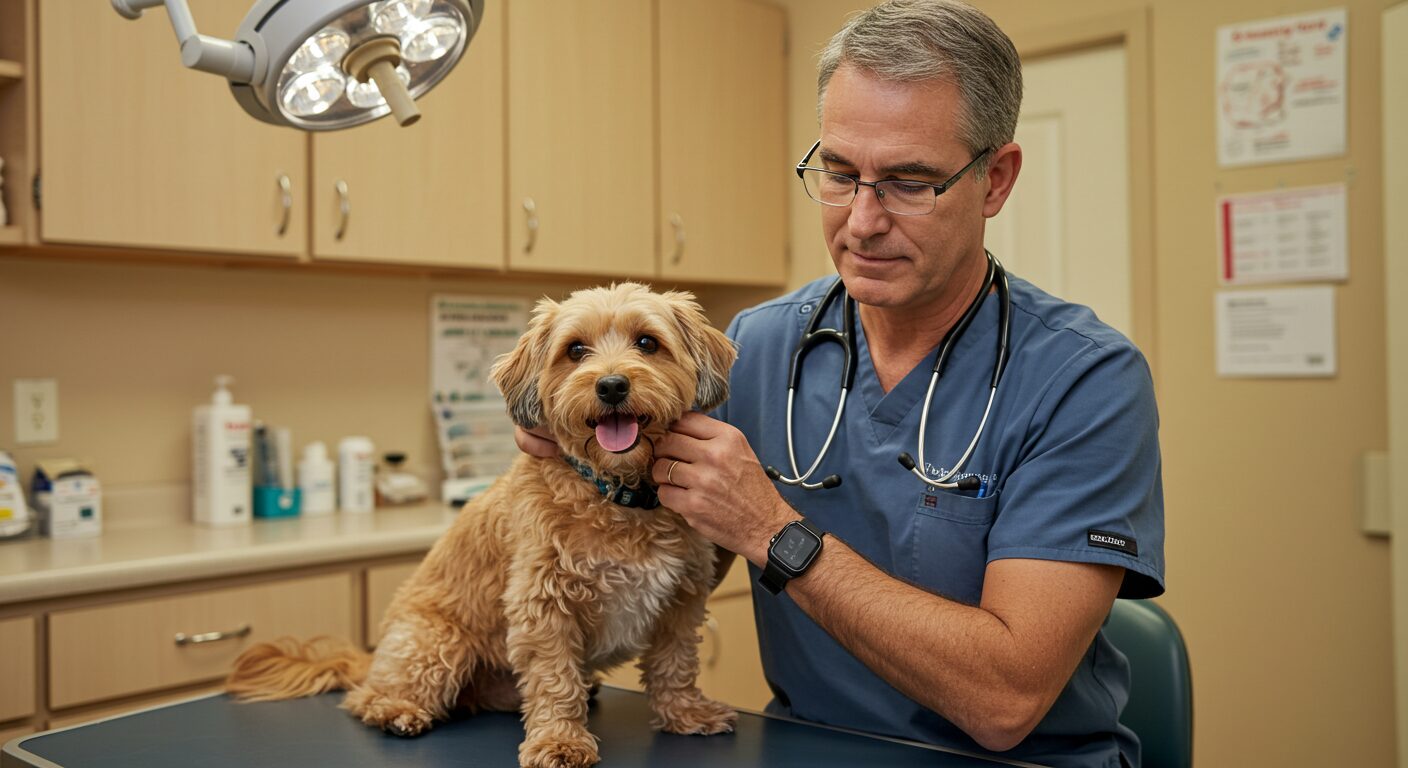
(530, 207)
(211, 637)
(677, 221)
(717, 645)
(285, 202)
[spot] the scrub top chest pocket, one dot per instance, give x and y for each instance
(950, 543)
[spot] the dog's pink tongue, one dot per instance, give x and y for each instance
(616, 433)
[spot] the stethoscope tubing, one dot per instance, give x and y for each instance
(814, 335)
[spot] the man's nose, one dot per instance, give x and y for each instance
(867, 216)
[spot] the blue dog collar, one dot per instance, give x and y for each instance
(642, 496)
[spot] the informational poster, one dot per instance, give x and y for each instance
(467, 333)
(1287, 235)
(1281, 89)
(1276, 332)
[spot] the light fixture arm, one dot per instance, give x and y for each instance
(232, 60)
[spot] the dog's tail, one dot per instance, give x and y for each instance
(288, 668)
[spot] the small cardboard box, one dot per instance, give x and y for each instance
(68, 499)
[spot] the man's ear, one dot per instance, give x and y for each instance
(712, 351)
(516, 373)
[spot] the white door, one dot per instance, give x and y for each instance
(1066, 225)
(1395, 105)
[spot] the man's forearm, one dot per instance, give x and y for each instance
(959, 660)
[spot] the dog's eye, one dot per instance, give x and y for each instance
(576, 351)
(648, 345)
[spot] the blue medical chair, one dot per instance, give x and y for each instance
(1160, 708)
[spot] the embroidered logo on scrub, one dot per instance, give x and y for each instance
(1115, 541)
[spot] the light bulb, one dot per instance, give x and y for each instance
(367, 95)
(394, 16)
(431, 39)
(312, 93)
(326, 47)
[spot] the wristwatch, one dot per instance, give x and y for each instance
(790, 553)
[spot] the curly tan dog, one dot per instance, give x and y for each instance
(542, 581)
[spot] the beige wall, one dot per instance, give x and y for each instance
(134, 349)
(1285, 604)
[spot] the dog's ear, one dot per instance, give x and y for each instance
(712, 351)
(516, 373)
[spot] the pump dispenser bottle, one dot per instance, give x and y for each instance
(221, 473)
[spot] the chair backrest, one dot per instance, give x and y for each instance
(1160, 708)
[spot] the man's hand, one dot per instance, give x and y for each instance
(708, 474)
(535, 442)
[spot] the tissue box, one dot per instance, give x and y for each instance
(68, 499)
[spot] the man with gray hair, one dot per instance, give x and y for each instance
(958, 604)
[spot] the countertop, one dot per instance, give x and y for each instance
(37, 568)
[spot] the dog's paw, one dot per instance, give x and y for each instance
(695, 715)
(558, 753)
(396, 716)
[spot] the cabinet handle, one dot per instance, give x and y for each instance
(344, 207)
(286, 201)
(532, 209)
(713, 628)
(210, 637)
(677, 221)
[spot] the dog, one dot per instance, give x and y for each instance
(549, 576)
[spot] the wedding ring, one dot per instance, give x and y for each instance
(670, 473)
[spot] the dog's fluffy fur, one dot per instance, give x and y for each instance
(541, 582)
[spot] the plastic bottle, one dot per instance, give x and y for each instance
(315, 478)
(356, 462)
(220, 477)
(15, 518)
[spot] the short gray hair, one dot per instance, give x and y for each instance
(916, 40)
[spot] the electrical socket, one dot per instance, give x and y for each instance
(36, 411)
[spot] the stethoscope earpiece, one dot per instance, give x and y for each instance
(814, 335)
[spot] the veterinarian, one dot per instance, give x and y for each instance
(965, 616)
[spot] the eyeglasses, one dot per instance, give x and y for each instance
(902, 197)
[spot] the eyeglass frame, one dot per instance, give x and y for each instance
(939, 189)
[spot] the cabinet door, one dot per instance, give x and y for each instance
(382, 583)
(730, 668)
(432, 193)
(723, 157)
(17, 666)
(137, 150)
(581, 138)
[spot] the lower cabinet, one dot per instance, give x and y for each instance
(120, 655)
(113, 710)
(17, 668)
(118, 650)
(382, 583)
(730, 668)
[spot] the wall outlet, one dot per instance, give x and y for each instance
(36, 411)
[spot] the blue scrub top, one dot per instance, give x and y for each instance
(1070, 464)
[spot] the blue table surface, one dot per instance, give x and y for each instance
(216, 732)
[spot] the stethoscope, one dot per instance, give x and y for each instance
(815, 335)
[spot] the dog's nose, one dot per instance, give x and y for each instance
(613, 389)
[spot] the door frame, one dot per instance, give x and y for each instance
(1395, 164)
(1130, 29)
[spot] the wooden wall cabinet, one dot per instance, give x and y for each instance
(636, 139)
(723, 133)
(581, 141)
(429, 194)
(137, 150)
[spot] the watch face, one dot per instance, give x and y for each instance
(796, 547)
